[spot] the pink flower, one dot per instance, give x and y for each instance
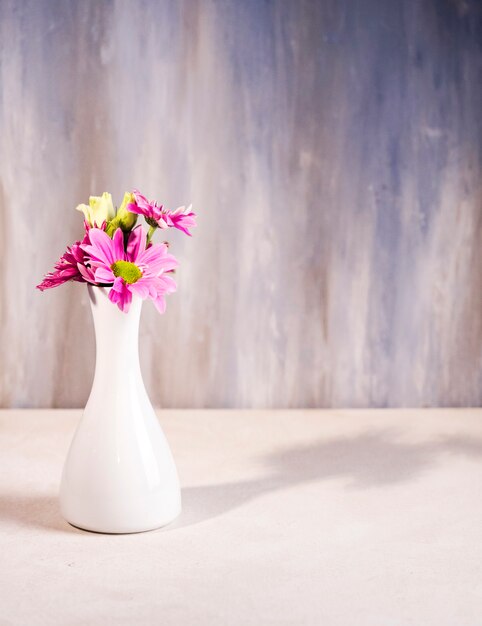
(70, 266)
(156, 215)
(148, 208)
(181, 218)
(64, 270)
(131, 270)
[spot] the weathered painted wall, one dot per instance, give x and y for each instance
(332, 150)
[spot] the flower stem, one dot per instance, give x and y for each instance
(150, 232)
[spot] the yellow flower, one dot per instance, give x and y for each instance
(99, 210)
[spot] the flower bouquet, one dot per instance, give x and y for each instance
(115, 252)
(119, 475)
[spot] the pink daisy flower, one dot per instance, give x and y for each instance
(148, 208)
(64, 270)
(131, 270)
(181, 218)
(156, 215)
(70, 266)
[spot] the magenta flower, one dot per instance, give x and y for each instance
(181, 218)
(156, 215)
(148, 208)
(64, 270)
(70, 266)
(134, 270)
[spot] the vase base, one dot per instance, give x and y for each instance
(131, 531)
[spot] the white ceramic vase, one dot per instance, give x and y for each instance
(119, 475)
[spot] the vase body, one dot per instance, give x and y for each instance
(119, 475)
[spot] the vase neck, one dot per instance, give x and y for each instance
(116, 337)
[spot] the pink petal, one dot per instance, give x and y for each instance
(118, 284)
(184, 221)
(136, 244)
(160, 303)
(140, 199)
(127, 299)
(102, 246)
(104, 275)
(86, 272)
(134, 208)
(168, 284)
(122, 298)
(156, 259)
(118, 243)
(164, 221)
(140, 288)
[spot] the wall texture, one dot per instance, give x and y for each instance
(332, 150)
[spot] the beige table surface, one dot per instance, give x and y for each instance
(302, 517)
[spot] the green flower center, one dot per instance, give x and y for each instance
(126, 270)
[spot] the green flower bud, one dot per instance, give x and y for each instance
(123, 219)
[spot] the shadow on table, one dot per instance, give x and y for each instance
(40, 511)
(368, 460)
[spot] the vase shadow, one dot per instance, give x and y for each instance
(366, 461)
(37, 511)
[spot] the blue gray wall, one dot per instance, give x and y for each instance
(332, 150)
